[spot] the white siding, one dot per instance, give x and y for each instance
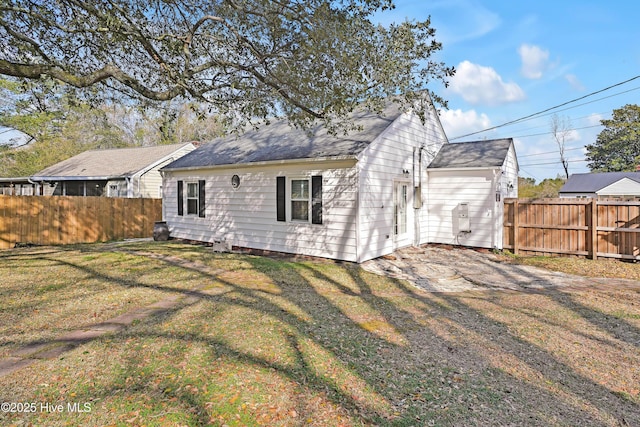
(509, 181)
(448, 188)
(116, 188)
(246, 216)
(148, 183)
(624, 187)
(382, 164)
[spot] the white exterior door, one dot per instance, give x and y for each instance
(402, 215)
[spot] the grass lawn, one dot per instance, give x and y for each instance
(272, 342)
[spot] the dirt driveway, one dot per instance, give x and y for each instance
(439, 269)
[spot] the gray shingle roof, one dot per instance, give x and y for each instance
(592, 182)
(120, 162)
(280, 141)
(475, 154)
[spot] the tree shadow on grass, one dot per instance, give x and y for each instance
(327, 329)
(527, 363)
(620, 329)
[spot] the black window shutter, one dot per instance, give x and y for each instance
(316, 199)
(180, 198)
(281, 199)
(201, 199)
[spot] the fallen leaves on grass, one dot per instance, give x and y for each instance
(282, 343)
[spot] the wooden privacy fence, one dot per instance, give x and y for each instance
(584, 227)
(59, 220)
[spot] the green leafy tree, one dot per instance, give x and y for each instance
(617, 148)
(82, 128)
(547, 188)
(59, 124)
(32, 107)
(245, 59)
(62, 125)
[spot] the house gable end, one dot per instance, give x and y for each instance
(594, 182)
(623, 187)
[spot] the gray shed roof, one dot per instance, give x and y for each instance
(280, 141)
(592, 182)
(119, 162)
(475, 154)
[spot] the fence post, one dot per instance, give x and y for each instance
(516, 224)
(593, 226)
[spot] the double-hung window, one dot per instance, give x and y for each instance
(192, 198)
(300, 199)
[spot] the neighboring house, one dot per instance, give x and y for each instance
(20, 186)
(604, 185)
(467, 186)
(121, 172)
(282, 189)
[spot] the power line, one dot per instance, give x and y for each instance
(546, 110)
(556, 162)
(595, 100)
(580, 105)
(550, 152)
(549, 133)
(572, 119)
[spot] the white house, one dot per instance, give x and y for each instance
(604, 185)
(121, 172)
(277, 188)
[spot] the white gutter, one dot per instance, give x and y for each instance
(486, 168)
(76, 178)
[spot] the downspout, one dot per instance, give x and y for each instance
(167, 161)
(416, 202)
(129, 187)
(357, 219)
(162, 177)
(38, 186)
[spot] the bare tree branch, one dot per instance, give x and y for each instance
(35, 71)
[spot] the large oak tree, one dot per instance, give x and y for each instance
(244, 59)
(617, 148)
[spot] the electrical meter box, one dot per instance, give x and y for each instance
(464, 224)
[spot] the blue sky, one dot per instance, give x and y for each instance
(516, 58)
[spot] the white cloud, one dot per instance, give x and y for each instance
(461, 20)
(458, 122)
(594, 119)
(455, 20)
(534, 61)
(574, 82)
(483, 85)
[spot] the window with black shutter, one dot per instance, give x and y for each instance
(192, 194)
(192, 198)
(301, 201)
